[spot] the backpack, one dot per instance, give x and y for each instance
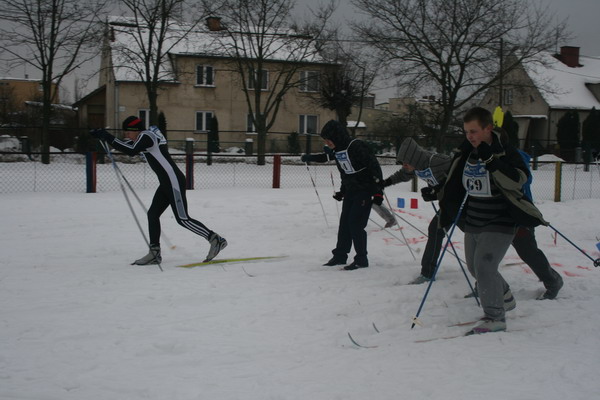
(527, 185)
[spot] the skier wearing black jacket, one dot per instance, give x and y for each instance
(361, 187)
(171, 189)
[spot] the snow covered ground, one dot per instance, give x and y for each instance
(78, 322)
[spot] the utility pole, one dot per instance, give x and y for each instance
(501, 87)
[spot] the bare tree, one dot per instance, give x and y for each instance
(345, 85)
(153, 28)
(268, 52)
(459, 48)
(54, 37)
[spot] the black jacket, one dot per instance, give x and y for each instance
(359, 168)
(509, 174)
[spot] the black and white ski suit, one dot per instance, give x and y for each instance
(171, 188)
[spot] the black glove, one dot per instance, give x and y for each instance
(484, 151)
(387, 182)
(328, 150)
(339, 196)
(378, 199)
(430, 193)
(102, 134)
(305, 158)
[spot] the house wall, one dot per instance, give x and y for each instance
(226, 100)
(22, 90)
(527, 101)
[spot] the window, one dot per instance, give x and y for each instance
(144, 115)
(203, 120)
(253, 77)
(205, 75)
(308, 124)
(508, 96)
(310, 81)
(250, 128)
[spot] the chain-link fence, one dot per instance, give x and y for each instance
(20, 172)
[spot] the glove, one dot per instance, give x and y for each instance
(305, 158)
(430, 193)
(485, 152)
(339, 196)
(101, 134)
(328, 150)
(378, 199)
(387, 182)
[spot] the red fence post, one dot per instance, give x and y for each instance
(276, 171)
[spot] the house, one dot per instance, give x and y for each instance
(15, 92)
(200, 81)
(21, 114)
(539, 94)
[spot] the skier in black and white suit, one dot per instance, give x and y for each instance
(171, 190)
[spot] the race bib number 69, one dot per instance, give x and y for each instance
(476, 180)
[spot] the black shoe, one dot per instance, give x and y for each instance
(552, 290)
(354, 266)
(334, 261)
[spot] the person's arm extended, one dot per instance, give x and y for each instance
(132, 148)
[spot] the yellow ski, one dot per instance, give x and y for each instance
(228, 260)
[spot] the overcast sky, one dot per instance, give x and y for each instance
(582, 17)
(582, 20)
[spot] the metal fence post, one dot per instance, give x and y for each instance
(557, 181)
(276, 171)
(248, 147)
(189, 164)
(414, 184)
(90, 171)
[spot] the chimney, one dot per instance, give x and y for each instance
(214, 24)
(569, 55)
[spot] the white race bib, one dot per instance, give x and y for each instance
(476, 180)
(343, 158)
(427, 176)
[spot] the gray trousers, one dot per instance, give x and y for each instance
(484, 252)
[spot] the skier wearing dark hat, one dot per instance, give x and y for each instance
(171, 189)
(360, 188)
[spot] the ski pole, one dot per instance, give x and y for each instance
(411, 225)
(141, 203)
(114, 164)
(460, 262)
(437, 266)
(596, 261)
(401, 231)
(318, 197)
(385, 229)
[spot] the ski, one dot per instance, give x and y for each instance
(228, 260)
(440, 338)
(466, 323)
(358, 344)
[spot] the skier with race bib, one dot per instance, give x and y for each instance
(171, 189)
(431, 168)
(361, 187)
(488, 176)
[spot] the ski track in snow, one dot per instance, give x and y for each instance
(78, 322)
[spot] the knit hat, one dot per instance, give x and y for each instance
(132, 123)
(336, 132)
(411, 153)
